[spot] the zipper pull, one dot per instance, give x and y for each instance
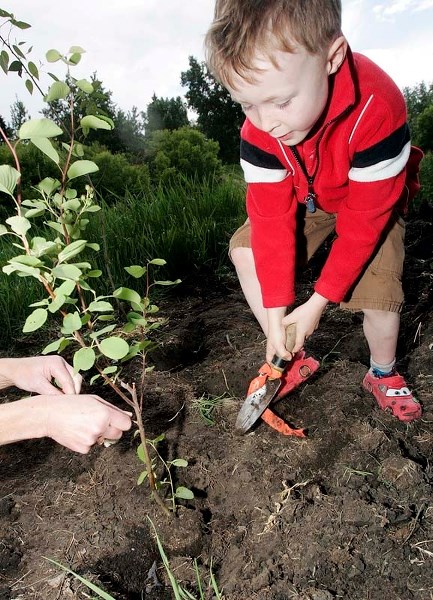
(310, 198)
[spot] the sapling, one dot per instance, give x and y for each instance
(58, 254)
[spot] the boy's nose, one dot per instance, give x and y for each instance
(268, 120)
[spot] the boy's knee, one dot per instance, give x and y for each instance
(242, 258)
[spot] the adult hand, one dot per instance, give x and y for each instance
(307, 318)
(78, 422)
(36, 374)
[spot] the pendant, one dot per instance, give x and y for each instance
(309, 201)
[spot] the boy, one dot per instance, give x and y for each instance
(325, 147)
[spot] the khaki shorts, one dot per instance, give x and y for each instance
(379, 286)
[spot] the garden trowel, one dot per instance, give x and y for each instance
(264, 388)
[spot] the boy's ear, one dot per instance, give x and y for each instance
(336, 54)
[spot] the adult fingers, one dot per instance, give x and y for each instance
(68, 381)
(112, 407)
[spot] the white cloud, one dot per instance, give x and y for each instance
(386, 11)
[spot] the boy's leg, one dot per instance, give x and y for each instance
(379, 295)
(242, 257)
(313, 229)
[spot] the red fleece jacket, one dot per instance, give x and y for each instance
(364, 165)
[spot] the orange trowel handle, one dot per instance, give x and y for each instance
(279, 364)
(279, 425)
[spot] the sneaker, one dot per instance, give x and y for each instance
(301, 368)
(393, 395)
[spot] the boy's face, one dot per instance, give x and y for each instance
(286, 102)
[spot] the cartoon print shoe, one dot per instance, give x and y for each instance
(301, 368)
(392, 394)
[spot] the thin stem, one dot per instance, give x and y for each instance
(132, 390)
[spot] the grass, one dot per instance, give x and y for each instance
(206, 406)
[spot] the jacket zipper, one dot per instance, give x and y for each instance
(311, 197)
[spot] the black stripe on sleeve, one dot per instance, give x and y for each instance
(259, 158)
(386, 149)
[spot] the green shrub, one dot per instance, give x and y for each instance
(426, 178)
(185, 152)
(116, 176)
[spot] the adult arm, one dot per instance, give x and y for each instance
(75, 421)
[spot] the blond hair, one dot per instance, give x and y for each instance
(243, 28)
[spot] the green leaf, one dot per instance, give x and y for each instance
(141, 477)
(59, 90)
(66, 288)
(114, 347)
(33, 69)
(110, 370)
(140, 453)
(107, 329)
(123, 293)
(71, 323)
(85, 86)
(4, 60)
(184, 493)
(46, 147)
(48, 185)
(34, 212)
(76, 50)
(57, 303)
(67, 272)
(136, 271)
(100, 306)
(38, 128)
(53, 56)
(20, 24)
(74, 204)
(16, 66)
(74, 59)
(84, 359)
(168, 282)
(9, 178)
(35, 320)
(19, 225)
(22, 270)
(94, 273)
(71, 250)
(29, 85)
(3, 230)
(53, 347)
(179, 462)
(93, 122)
(158, 261)
(25, 259)
(82, 167)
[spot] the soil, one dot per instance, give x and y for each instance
(346, 512)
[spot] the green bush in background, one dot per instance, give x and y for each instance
(181, 152)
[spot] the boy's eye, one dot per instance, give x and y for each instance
(284, 104)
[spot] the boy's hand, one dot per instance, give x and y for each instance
(306, 317)
(35, 374)
(276, 339)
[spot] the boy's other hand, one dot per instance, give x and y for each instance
(307, 318)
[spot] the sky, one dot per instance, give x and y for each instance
(140, 47)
